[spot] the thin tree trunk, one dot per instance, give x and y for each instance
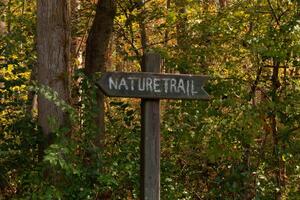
(181, 25)
(166, 37)
(279, 163)
(223, 3)
(181, 35)
(8, 18)
(3, 24)
(96, 52)
(75, 39)
(143, 30)
(74, 51)
(142, 25)
(53, 47)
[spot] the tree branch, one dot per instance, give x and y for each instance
(274, 13)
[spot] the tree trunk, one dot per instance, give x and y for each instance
(96, 51)
(166, 37)
(53, 48)
(182, 35)
(75, 51)
(3, 24)
(142, 26)
(279, 163)
(223, 3)
(75, 40)
(181, 24)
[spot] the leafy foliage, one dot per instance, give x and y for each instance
(243, 144)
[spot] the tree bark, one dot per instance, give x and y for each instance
(75, 40)
(96, 51)
(3, 24)
(181, 28)
(166, 37)
(280, 167)
(53, 48)
(142, 25)
(182, 35)
(223, 3)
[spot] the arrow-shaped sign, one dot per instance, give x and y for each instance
(153, 85)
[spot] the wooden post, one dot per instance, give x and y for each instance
(151, 87)
(150, 137)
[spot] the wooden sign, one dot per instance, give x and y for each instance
(153, 85)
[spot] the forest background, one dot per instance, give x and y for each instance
(61, 139)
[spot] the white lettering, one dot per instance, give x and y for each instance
(173, 85)
(193, 91)
(187, 87)
(123, 83)
(156, 85)
(112, 84)
(181, 86)
(166, 85)
(132, 82)
(141, 83)
(149, 84)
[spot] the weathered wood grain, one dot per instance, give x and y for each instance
(150, 139)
